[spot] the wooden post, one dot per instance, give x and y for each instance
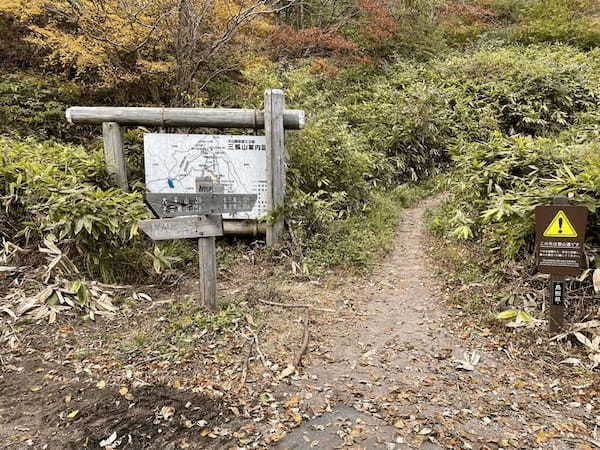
(113, 153)
(558, 291)
(556, 310)
(276, 165)
(207, 259)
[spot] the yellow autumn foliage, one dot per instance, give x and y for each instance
(116, 40)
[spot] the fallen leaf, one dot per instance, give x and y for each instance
(287, 372)
(292, 402)
(595, 357)
(73, 413)
(596, 280)
(109, 440)
(469, 362)
(123, 390)
(544, 436)
(356, 431)
(101, 384)
(571, 361)
(36, 388)
(167, 412)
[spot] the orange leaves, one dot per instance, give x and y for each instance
(311, 42)
(379, 23)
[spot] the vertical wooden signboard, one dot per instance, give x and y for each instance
(560, 236)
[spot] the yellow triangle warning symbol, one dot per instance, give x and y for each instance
(560, 227)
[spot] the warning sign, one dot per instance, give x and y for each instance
(559, 235)
(560, 227)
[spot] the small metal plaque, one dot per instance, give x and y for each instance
(186, 227)
(176, 205)
(560, 235)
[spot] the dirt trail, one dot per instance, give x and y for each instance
(391, 380)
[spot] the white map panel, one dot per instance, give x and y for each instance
(174, 161)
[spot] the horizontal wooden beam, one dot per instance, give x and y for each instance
(243, 227)
(293, 119)
(185, 227)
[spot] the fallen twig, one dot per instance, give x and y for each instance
(305, 339)
(245, 368)
(260, 353)
(293, 305)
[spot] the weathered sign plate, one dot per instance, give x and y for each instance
(557, 291)
(175, 162)
(175, 205)
(560, 234)
(186, 227)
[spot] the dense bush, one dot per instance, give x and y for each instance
(35, 106)
(64, 191)
(364, 137)
(558, 21)
(533, 90)
(545, 103)
(368, 131)
(497, 185)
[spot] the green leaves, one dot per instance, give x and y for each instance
(160, 259)
(511, 314)
(49, 188)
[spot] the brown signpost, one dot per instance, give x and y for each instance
(559, 235)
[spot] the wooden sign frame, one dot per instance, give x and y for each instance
(275, 119)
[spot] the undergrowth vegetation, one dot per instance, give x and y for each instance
(545, 144)
(516, 122)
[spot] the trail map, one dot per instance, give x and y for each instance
(179, 163)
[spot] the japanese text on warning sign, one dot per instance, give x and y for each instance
(560, 233)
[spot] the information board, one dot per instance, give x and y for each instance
(560, 234)
(185, 163)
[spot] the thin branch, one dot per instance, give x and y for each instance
(305, 339)
(261, 355)
(214, 74)
(293, 305)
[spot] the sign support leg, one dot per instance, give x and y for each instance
(113, 153)
(208, 272)
(275, 135)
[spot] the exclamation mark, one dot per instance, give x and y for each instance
(560, 221)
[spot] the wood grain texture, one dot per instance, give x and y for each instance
(208, 272)
(114, 154)
(182, 227)
(180, 117)
(276, 165)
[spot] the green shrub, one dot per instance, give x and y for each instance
(498, 184)
(35, 106)
(564, 21)
(361, 238)
(534, 90)
(64, 191)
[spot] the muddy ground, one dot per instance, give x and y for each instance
(389, 363)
